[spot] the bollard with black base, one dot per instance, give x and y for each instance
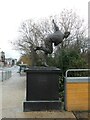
(42, 92)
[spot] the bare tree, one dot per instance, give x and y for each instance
(32, 34)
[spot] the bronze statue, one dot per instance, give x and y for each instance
(56, 38)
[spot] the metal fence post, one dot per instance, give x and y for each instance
(5, 74)
(2, 75)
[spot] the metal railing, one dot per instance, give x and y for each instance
(77, 73)
(5, 74)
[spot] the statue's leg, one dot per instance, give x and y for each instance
(45, 60)
(48, 50)
(48, 46)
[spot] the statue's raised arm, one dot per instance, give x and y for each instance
(56, 28)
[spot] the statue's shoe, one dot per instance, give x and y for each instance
(45, 64)
(37, 48)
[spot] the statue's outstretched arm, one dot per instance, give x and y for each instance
(56, 28)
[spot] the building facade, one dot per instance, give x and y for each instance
(7, 62)
(2, 59)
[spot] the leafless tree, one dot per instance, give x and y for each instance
(32, 33)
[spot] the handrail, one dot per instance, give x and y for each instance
(75, 70)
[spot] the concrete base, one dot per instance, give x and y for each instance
(41, 105)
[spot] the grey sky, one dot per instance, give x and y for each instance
(13, 12)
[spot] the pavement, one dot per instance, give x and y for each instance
(12, 95)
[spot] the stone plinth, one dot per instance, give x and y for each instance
(42, 92)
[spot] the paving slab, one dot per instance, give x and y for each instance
(82, 115)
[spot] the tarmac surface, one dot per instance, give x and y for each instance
(12, 95)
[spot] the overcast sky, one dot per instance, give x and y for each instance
(14, 12)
